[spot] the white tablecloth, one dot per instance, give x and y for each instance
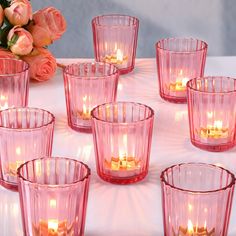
(132, 210)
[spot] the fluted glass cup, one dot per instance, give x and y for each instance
(178, 61)
(14, 83)
(212, 112)
(86, 86)
(196, 199)
(53, 196)
(25, 134)
(115, 40)
(122, 134)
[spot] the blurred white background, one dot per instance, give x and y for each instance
(209, 20)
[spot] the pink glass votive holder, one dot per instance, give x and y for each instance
(196, 200)
(178, 61)
(14, 83)
(53, 196)
(86, 86)
(212, 112)
(122, 134)
(26, 133)
(115, 40)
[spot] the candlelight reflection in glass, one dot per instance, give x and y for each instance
(87, 85)
(122, 134)
(26, 133)
(115, 40)
(212, 112)
(53, 196)
(14, 83)
(196, 199)
(178, 61)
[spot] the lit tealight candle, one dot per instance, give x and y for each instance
(192, 230)
(85, 113)
(180, 84)
(214, 131)
(123, 165)
(52, 226)
(12, 167)
(117, 58)
(190, 227)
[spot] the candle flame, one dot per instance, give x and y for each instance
(53, 224)
(119, 55)
(205, 225)
(190, 227)
(181, 79)
(85, 109)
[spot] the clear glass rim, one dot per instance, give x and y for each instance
(17, 73)
(230, 185)
(182, 52)
(191, 88)
(99, 77)
(20, 176)
(52, 120)
(122, 123)
(135, 20)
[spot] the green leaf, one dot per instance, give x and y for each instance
(5, 3)
(4, 30)
(13, 40)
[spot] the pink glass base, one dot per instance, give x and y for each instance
(173, 99)
(84, 129)
(126, 70)
(7, 185)
(213, 148)
(123, 180)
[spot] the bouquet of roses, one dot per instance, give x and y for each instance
(26, 35)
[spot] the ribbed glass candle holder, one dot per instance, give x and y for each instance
(53, 196)
(14, 83)
(26, 133)
(196, 200)
(122, 134)
(212, 112)
(178, 61)
(115, 40)
(86, 86)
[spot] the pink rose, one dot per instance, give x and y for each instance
(20, 41)
(41, 36)
(4, 53)
(19, 13)
(42, 64)
(52, 20)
